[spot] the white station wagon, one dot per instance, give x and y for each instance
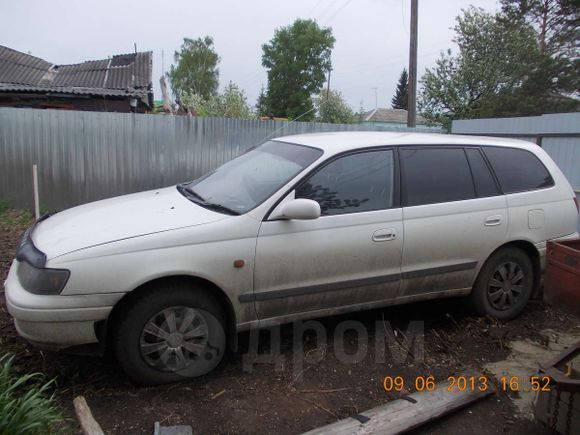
(298, 227)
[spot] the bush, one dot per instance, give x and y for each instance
(25, 406)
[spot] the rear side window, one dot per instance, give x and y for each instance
(482, 178)
(432, 175)
(518, 170)
(352, 184)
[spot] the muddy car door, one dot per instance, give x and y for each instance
(348, 256)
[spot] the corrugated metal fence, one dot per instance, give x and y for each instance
(85, 156)
(558, 134)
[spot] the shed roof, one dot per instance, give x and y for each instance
(398, 116)
(120, 75)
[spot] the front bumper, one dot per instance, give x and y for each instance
(56, 322)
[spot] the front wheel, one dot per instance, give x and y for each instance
(170, 334)
(504, 284)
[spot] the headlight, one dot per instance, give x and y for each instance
(41, 281)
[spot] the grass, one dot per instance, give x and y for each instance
(13, 217)
(25, 404)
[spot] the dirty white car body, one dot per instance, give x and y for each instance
(295, 265)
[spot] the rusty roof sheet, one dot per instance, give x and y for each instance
(124, 74)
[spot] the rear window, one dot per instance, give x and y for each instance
(432, 175)
(484, 182)
(518, 170)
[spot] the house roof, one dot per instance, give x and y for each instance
(120, 75)
(398, 116)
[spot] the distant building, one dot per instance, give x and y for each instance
(121, 83)
(390, 118)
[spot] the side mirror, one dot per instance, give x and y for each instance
(297, 209)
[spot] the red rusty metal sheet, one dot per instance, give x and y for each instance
(562, 280)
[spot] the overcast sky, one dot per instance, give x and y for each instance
(372, 36)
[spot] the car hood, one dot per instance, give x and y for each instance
(118, 218)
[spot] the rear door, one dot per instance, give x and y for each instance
(454, 216)
(351, 255)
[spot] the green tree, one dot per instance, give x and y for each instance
(231, 103)
(497, 71)
(195, 70)
(297, 59)
(557, 22)
(557, 25)
(400, 99)
(262, 103)
(331, 107)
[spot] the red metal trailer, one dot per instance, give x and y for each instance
(562, 280)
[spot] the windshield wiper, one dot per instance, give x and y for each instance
(193, 196)
(189, 193)
(219, 208)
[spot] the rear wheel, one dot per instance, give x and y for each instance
(169, 334)
(504, 285)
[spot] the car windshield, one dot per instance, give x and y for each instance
(246, 181)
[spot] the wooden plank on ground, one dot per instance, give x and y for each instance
(88, 423)
(402, 415)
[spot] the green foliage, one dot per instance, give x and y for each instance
(557, 23)
(4, 205)
(12, 217)
(331, 107)
(557, 26)
(231, 103)
(262, 103)
(498, 71)
(25, 406)
(400, 99)
(195, 70)
(297, 59)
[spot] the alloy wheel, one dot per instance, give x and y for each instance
(174, 338)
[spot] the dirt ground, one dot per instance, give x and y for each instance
(266, 400)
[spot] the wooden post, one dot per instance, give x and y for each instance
(35, 188)
(88, 423)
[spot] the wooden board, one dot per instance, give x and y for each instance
(89, 425)
(402, 415)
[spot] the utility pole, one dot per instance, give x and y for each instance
(412, 97)
(376, 98)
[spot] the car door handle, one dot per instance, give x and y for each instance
(384, 235)
(493, 221)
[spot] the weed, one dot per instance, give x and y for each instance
(25, 404)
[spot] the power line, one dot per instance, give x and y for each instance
(315, 7)
(326, 10)
(337, 12)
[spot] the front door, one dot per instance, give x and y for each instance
(349, 256)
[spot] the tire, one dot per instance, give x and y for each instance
(169, 334)
(504, 284)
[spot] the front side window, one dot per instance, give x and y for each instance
(352, 183)
(246, 181)
(518, 170)
(432, 175)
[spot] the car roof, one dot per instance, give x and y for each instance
(335, 142)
